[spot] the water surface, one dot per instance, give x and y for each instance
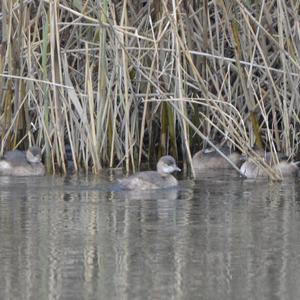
(213, 238)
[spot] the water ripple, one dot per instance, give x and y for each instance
(213, 238)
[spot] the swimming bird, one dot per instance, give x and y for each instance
(21, 163)
(284, 168)
(210, 159)
(148, 180)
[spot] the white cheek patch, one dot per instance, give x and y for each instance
(209, 150)
(168, 169)
(4, 165)
(35, 159)
(243, 169)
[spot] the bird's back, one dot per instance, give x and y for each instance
(15, 157)
(147, 180)
(14, 163)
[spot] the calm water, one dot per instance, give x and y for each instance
(80, 238)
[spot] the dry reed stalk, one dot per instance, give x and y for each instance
(45, 90)
(148, 87)
(180, 83)
(56, 74)
(86, 77)
(102, 94)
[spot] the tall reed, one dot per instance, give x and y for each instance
(122, 82)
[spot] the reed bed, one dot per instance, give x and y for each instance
(123, 82)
